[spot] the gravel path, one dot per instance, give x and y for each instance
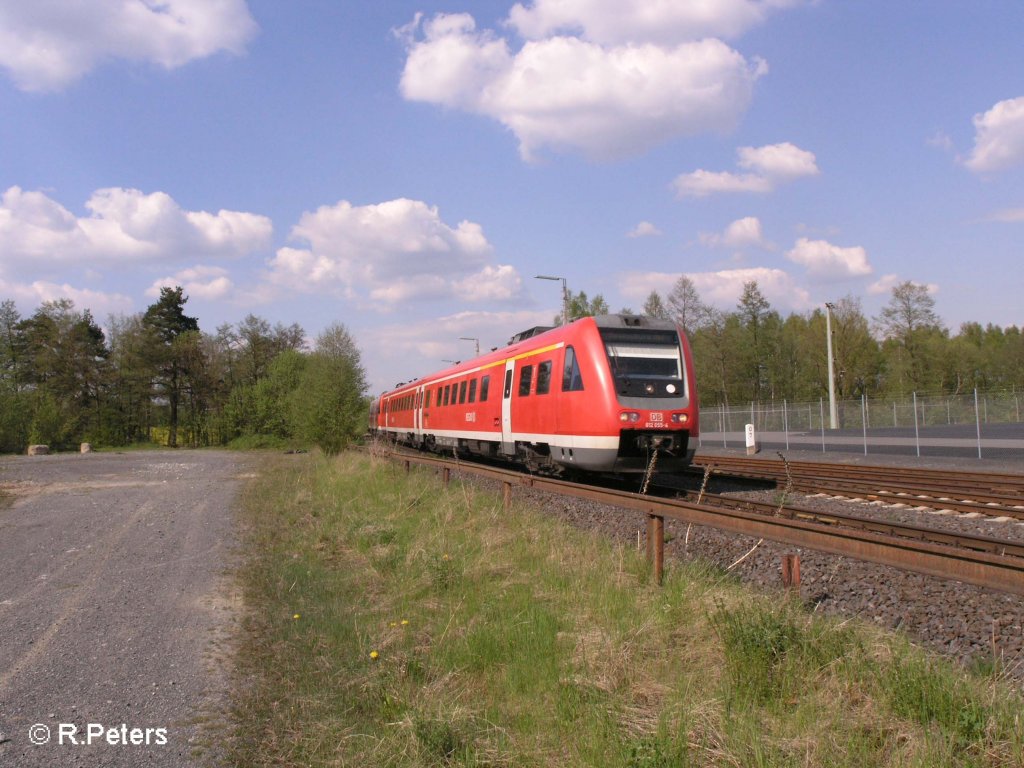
(115, 607)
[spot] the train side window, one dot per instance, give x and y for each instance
(544, 378)
(426, 398)
(472, 391)
(447, 387)
(525, 380)
(572, 381)
(485, 385)
(462, 393)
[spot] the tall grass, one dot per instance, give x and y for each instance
(393, 622)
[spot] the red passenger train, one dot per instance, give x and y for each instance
(601, 394)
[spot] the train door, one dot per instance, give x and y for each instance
(508, 445)
(417, 414)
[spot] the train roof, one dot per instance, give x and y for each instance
(638, 322)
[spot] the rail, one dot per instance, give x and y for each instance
(989, 493)
(992, 570)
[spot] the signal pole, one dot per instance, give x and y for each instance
(833, 413)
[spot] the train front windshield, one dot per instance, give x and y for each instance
(645, 363)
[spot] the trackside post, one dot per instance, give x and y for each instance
(656, 546)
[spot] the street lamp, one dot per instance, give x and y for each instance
(565, 296)
(833, 415)
(473, 339)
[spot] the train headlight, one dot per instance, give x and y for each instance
(649, 389)
(680, 418)
(629, 417)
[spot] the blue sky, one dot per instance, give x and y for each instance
(407, 168)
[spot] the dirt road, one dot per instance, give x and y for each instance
(114, 606)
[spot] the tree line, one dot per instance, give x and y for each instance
(155, 376)
(753, 353)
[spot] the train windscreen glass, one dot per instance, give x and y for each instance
(645, 363)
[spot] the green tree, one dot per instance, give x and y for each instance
(858, 360)
(258, 343)
(13, 403)
(716, 359)
(10, 319)
(129, 400)
(166, 322)
(654, 307)
(264, 408)
(760, 332)
(913, 335)
(685, 306)
(330, 406)
(580, 305)
(62, 358)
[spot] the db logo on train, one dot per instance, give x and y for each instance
(656, 421)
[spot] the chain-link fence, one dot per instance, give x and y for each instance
(977, 424)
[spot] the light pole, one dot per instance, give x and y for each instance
(833, 415)
(473, 339)
(565, 296)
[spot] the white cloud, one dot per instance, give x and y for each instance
(201, 282)
(47, 44)
(940, 140)
(886, 283)
(723, 288)
(779, 162)
(500, 283)
(125, 225)
(565, 93)
(702, 183)
(390, 252)
(1008, 215)
(826, 261)
(621, 21)
(31, 295)
(770, 165)
(404, 351)
(644, 229)
(998, 137)
(742, 233)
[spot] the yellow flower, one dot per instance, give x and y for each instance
(296, 617)
(445, 556)
(404, 622)
(374, 654)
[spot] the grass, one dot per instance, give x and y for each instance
(392, 622)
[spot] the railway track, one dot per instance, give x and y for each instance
(969, 623)
(980, 560)
(889, 528)
(990, 494)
